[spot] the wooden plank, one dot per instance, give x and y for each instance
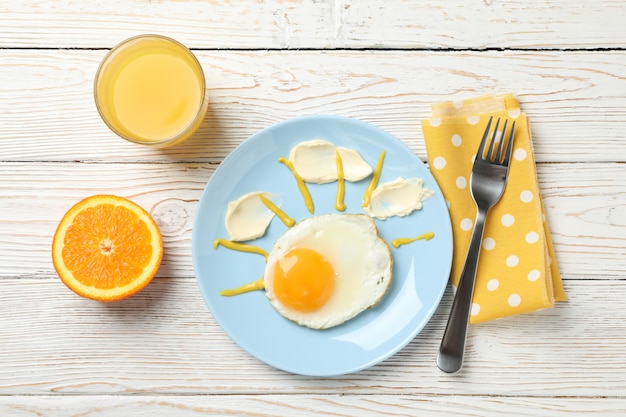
(165, 341)
(34, 197)
(574, 99)
(319, 24)
(584, 204)
(307, 405)
(585, 207)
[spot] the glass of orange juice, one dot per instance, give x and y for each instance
(151, 90)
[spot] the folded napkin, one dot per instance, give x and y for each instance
(517, 271)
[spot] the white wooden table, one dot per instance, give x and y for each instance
(161, 353)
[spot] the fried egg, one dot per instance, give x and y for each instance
(327, 269)
(247, 217)
(399, 197)
(315, 162)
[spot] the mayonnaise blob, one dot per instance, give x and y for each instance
(247, 217)
(399, 197)
(315, 161)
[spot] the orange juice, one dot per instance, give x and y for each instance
(151, 89)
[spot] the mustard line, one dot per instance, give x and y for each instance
(374, 181)
(288, 221)
(404, 240)
(308, 201)
(242, 247)
(341, 186)
(251, 286)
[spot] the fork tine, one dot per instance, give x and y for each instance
(501, 144)
(481, 149)
(509, 146)
(493, 141)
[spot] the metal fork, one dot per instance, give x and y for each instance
(487, 183)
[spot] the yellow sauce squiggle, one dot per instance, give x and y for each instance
(341, 186)
(242, 247)
(288, 221)
(251, 286)
(404, 240)
(308, 201)
(374, 181)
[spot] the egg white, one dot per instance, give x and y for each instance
(360, 258)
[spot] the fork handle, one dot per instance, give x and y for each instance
(450, 358)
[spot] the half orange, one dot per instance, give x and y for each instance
(107, 248)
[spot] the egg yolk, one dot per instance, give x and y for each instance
(303, 280)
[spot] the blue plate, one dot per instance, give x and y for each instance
(420, 269)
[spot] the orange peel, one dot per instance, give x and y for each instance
(107, 248)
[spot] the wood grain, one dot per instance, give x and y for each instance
(574, 100)
(585, 205)
(334, 405)
(164, 340)
(161, 352)
(327, 24)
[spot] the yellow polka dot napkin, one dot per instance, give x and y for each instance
(517, 270)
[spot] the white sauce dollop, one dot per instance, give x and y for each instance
(399, 197)
(315, 161)
(247, 217)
